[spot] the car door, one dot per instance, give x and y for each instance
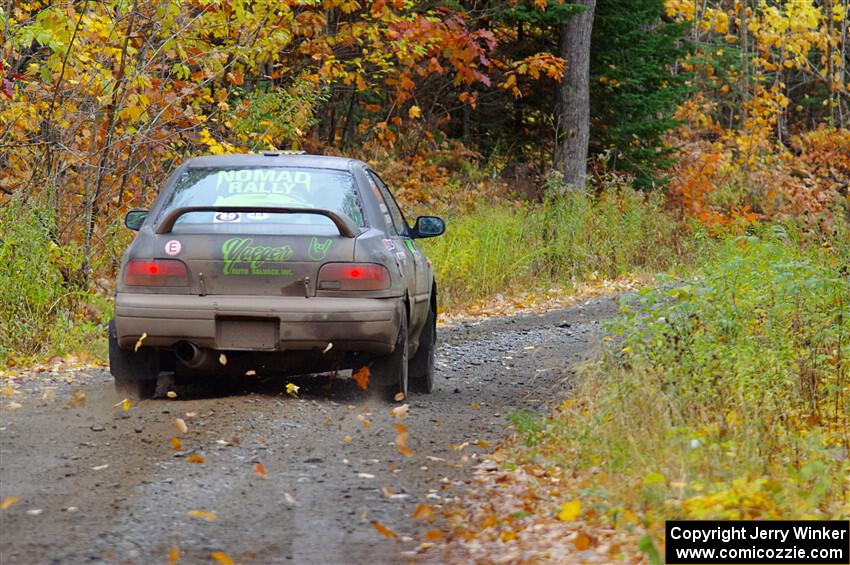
(419, 289)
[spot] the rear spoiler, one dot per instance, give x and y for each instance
(343, 223)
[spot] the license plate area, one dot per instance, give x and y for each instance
(247, 333)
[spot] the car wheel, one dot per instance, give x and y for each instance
(390, 371)
(135, 372)
(422, 364)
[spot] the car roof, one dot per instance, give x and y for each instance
(273, 159)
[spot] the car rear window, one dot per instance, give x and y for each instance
(264, 187)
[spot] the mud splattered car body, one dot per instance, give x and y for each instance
(283, 263)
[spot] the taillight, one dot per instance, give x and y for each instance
(156, 272)
(353, 276)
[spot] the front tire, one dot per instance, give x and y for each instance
(135, 372)
(422, 364)
(390, 371)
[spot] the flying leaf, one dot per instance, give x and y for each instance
(221, 558)
(383, 530)
(327, 348)
(171, 394)
(8, 502)
(222, 359)
(400, 412)
(250, 373)
(292, 389)
(181, 426)
(125, 404)
(173, 555)
(78, 398)
(203, 515)
(401, 440)
(569, 511)
(195, 458)
(361, 377)
(139, 342)
(399, 396)
(176, 443)
(260, 470)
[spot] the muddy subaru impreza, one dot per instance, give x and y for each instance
(275, 264)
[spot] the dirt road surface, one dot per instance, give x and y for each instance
(98, 484)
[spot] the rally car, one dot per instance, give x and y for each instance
(271, 264)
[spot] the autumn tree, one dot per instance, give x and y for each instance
(573, 102)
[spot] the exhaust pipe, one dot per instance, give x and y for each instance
(193, 356)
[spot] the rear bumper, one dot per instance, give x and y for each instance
(282, 323)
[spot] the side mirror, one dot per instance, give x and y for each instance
(428, 226)
(135, 218)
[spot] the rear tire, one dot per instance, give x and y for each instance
(389, 372)
(135, 372)
(422, 364)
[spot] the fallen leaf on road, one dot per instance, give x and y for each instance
(14, 405)
(290, 500)
(173, 555)
(292, 389)
(181, 426)
(475, 405)
(423, 512)
(507, 536)
(222, 359)
(347, 439)
(78, 398)
(383, 530)
(139, 342)
(531, 347)
(100, 467)
(582, 541)
(8, 502)
(366, 475)
(400, 411)
(49, 394)
(7, 391)
(176, 443)
(195, 458)
(361, 377)
(221, 558)
(366, 423)
(260, 469)
(434, 535)
(208, 516)
(569, 511)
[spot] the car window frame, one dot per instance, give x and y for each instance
(385, 191)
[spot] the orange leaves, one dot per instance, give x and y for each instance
(176, 444)
(260, 471)
(383, 530)
(361, 377)
(195, 458)
(222, 558)
(402, 439)
(8, 502)
(424, 512)
(202, 515)
(173, 555)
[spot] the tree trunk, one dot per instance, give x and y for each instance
(573, 111)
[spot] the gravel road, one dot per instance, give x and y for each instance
(98, 484)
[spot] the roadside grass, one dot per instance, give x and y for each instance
(42, 311)
(723, 397)
(507, 248)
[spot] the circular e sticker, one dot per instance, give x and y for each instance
(173, 247)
